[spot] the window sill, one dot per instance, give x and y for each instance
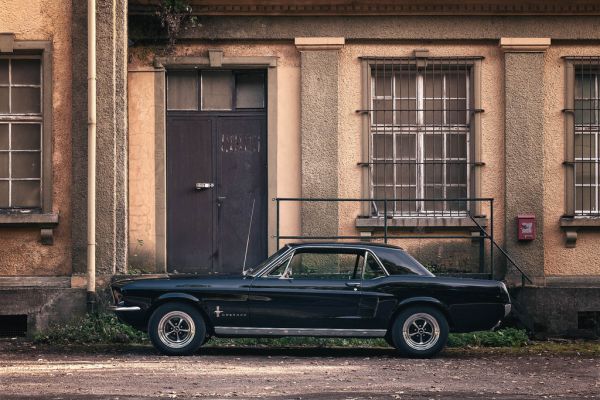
(46, 223)
(413, 223)
(572, 224)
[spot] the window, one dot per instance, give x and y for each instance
(372, 268)
(316, 264)
(419, 136)
(586, 130)
(21, 125)
(215, 90)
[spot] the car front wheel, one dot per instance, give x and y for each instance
(420, 332)
(176, 329)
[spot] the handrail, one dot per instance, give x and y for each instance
(484, 234)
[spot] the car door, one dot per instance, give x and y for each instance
(377, 301)
(313, 288)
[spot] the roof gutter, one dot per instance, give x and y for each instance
(91, 177)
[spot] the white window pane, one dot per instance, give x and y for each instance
(585, 173)
(585, 145)
(25, 100)
(384, 113)
(406, 146)
(25, 72)
(26, 194)
(250, 90)
(4, 170)
(456, 146)
(383, 82)
(4, 107)
(25, 137)
(3, 72)
(585, 198)
(383, 174)
(182, 90)
(434, 146)
(25, 165)
(217, 90)
(383, 146)
(3, 136)
(4, 194)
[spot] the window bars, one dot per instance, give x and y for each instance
(586, 136)
(420, 120)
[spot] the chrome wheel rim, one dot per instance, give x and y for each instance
(176, 329)
(421, 331)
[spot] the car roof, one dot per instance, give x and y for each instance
(349, 245)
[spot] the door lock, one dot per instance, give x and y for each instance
(204, 185)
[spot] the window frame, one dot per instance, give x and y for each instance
(571, 130)
(41, 50)
(473, 180)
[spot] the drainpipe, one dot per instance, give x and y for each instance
(91, 178)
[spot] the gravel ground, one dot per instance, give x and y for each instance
(33, 372)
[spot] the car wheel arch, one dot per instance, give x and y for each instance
(420, 301)
(181, 298)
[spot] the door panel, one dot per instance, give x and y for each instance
(241, 191)
(303, 303)
(190, 211)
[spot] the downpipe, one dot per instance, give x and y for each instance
(91, 165)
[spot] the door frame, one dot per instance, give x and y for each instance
(215, 60)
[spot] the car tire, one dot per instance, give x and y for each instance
(177, 329)
(420, 332)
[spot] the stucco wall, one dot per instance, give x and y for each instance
(142, 171)
(584, 259)
(21, 252)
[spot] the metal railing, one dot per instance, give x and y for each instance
(387, 220)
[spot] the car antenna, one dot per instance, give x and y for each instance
(248, 238)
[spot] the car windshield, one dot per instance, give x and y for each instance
(267, 261)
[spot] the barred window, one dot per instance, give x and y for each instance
(420, 117)
(586, 130)
(20, 132)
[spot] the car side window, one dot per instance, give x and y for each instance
(372, 268)
(325, 265)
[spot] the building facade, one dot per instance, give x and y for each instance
(459, 131)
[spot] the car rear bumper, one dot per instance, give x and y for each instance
(124, 308)
(507, 309)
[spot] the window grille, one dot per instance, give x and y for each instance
(20, 132)
(586, 130)
(420, 115)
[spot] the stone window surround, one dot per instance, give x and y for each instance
(214, 60)
(570, 222)
(46, 220)
(367, 224)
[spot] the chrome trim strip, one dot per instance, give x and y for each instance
(123, 308)
(507, 309)
(240, 331)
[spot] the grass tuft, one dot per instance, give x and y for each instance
(92, 329)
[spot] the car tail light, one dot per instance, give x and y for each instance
(117, 296)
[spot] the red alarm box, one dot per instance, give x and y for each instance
(526, 226)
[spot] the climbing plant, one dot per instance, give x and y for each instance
(174, 16)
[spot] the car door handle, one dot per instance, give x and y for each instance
(353, 284)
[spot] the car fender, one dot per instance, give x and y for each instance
(426, 300)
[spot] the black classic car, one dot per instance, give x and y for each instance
(315, 289)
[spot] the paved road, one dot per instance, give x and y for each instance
(138, 373)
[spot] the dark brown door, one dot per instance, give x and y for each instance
(216, 185)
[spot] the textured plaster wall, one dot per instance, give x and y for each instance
(142, 199)
(524, 149)
(584, 259)
(142, 217)
(21, 252)
(446, 252)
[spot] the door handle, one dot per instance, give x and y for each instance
(220, 200)
(353, 284)
(204, 185)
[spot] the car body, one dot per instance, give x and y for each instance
(314, 289)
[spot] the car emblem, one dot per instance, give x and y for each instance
(218, 311)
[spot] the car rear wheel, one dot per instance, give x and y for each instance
(420, 332)
(176, 329)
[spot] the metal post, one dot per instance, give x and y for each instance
(277, 222)
(492, 238)
(385, 224)
(481, 252)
